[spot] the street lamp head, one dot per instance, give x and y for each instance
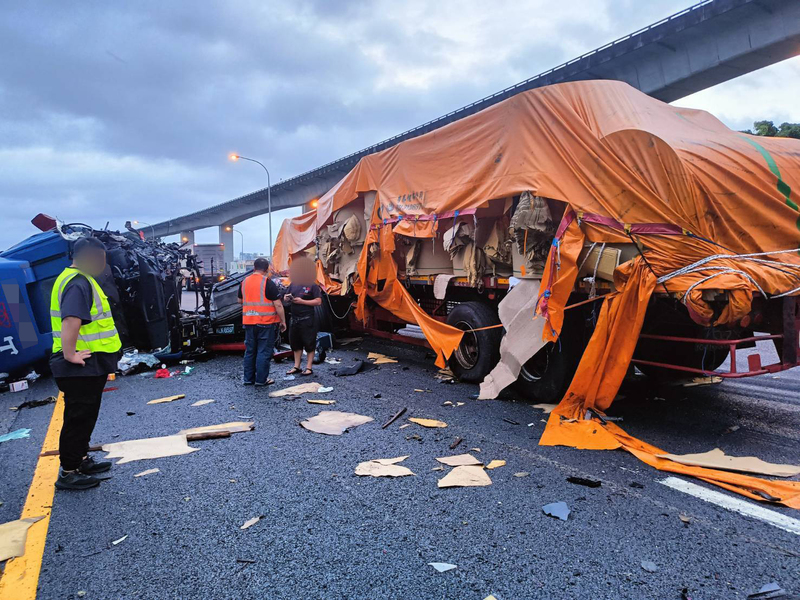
(234, 157)
(314, 203)
(135, 222)
(229, 229)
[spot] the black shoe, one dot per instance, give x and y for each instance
(75, 480)
(248, 382)
(91, 467)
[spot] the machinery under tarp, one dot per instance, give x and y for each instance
(710, 207)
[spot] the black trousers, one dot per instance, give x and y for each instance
(82, 396)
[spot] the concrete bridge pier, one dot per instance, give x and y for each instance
(187, 237)
(226, 239)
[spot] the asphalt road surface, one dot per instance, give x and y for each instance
(327, 533)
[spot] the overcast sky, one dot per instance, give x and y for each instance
(115, 111)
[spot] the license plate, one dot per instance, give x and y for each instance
(225, 329)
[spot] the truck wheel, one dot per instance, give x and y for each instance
(478, 351)
(547, 375)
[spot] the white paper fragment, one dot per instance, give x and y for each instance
(443, 567)
(147, 472)
(250, 522)
(120, 540)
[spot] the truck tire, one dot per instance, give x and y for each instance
(479, 351)
(547, 375)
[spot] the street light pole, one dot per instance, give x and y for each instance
(152, 230)
(241, 250)
(236, 157)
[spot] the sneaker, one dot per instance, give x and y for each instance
(90, 466)
(75, 480)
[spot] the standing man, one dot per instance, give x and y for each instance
(85, 350)
(263, 317)
(303, 295)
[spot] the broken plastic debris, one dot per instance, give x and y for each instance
(465, 476)
(16, 435)
(592, 483)
(383, 467)
(167, 399)
(559, 510)
(333, 361)
(404, 425)
(311, 387)
(717, 459)
(325, 390)
(201, 403)
(769, 590)
(521, 474)
(495, 463)
(120, 540)
(352, 369)
(251, 522)
(334, 422)
(428, 422)
(443, 567)
(381, 359)
(147, 472)
(233, 427)
(288, 377)
(158, 447)
(649, 566)
(459, 460)
(685, 519)
(13, 536)
(326, 402)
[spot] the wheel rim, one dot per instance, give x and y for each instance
(468, 350)
(536, 367)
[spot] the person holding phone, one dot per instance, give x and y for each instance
(302, 297)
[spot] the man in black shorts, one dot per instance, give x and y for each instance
(303, 296)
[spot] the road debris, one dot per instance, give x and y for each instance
(16, 435)
(649, 566)
(522, 474)
(34, 403)
(456, 442)
(445, 376)
(559, 510)
(232, 427)
(381, 359)
(162, 373)
(547, 408)
(494, 464)
(334, 422)
(512, 421)
(351, 369)
(459, 460)
(147, 472)
(769, 591)
(592, 483)
(717, 459)
(732, 429)
(694, 382)
(465, 476)
(685, 519)
(167, 399)
(394, 417)
(120, 540)
(404, 425)
(18, 386)
(383, 467)
(13, 536)
(250, 522)
(439, 468)
(347, 341)
(201, 403)
(433, 423)
(288, 378)
(333, 361)
(443, 567)
(158, 447)
(324, 402)
(311, 387)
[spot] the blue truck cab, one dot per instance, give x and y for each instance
(27, 273)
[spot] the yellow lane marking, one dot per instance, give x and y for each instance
(21, 576)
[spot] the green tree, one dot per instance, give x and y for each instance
(768, 129)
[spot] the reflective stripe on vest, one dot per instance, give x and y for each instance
(256, 308)
(100, 334)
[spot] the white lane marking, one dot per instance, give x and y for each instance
(742, 507)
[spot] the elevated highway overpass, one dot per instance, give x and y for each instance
(709, 43)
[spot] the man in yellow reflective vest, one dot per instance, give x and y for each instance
(85, 350)
(263, 317)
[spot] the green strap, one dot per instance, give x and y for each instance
(783, 187)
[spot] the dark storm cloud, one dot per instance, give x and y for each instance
(125, 110)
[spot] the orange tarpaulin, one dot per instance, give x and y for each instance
(630, 168)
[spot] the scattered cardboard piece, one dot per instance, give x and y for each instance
(547, 408)
(428, 422)
(312, 387)
(459, 460)
(251, 522)
(158, 447)
(495, 463)
(325, 402)
(717, 459)
(381, 359)
(13, 536)
(442, 567)
(167, 399)
(201, 403)
(465, 476)
(383, 467)
(334, 422)
(233, 427)
(147, 472)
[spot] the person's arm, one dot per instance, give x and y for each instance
(240, 294)
(281, 313)
(316, 300)
(70, 328)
